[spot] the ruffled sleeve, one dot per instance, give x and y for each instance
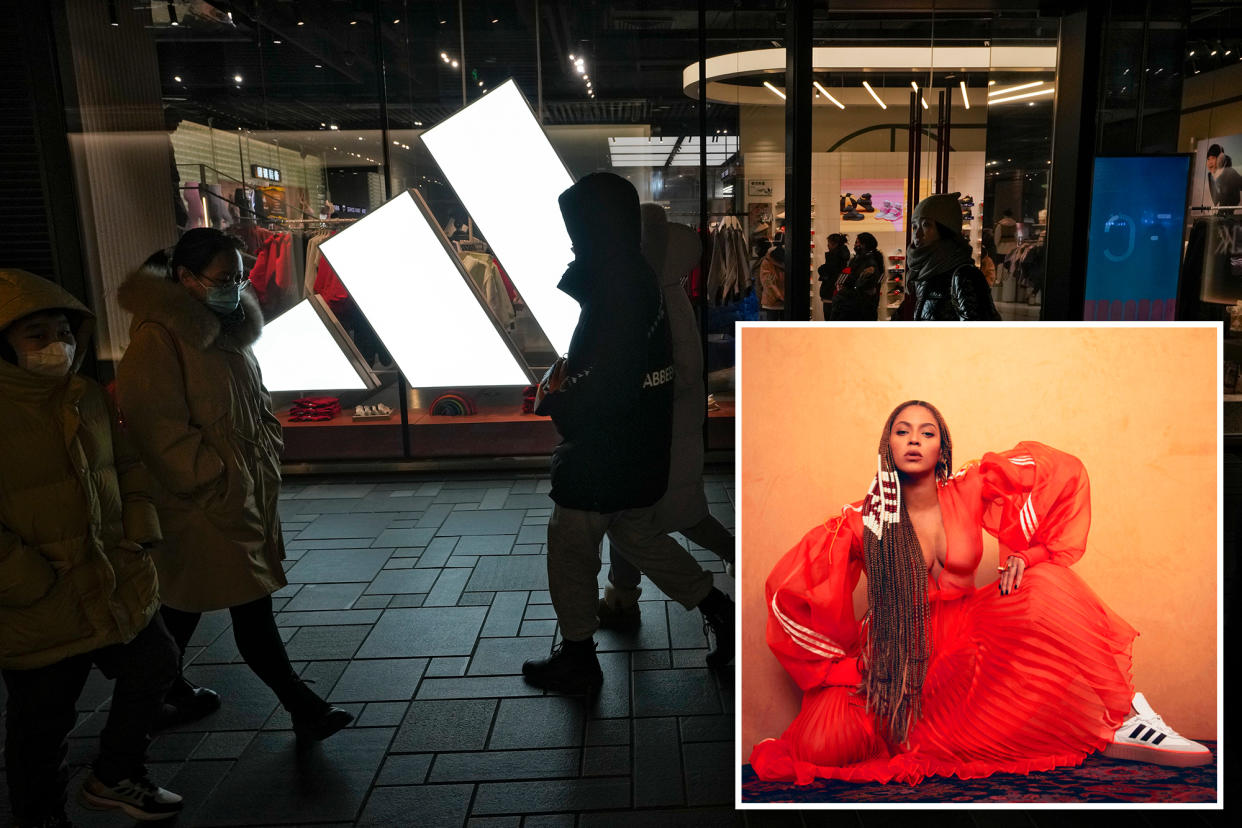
(1037, 502)
(811, 625)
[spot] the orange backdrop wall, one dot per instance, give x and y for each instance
(1137, 405)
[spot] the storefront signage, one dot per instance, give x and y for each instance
(759, 187)
(270, 173)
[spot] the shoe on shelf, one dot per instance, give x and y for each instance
(186, 702)
(864, 203)
(573, 668)
(1146, 738)
(894, 215)
(621, 619)
(137, 797)
(717, 609)
(852, 215)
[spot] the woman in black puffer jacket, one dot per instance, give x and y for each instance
(943, 278)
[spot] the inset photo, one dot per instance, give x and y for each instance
(979, 565)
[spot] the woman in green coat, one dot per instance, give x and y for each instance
(193, 399)
(76, 582)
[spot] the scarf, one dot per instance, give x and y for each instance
(941, 256)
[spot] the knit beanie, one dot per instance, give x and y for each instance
(941, 208)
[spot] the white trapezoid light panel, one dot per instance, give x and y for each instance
(409, 284)
(297, 353)
(508, 176)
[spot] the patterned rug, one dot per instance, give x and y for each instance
(1098, 779)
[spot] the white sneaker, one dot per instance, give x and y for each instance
(1146, 738)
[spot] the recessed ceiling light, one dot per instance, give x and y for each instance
(237, 78)
(177, 78)
(277, 42)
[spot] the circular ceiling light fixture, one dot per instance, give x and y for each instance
(723, 69)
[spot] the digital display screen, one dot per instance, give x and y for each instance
(1138, 215)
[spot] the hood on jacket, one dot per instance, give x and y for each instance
(23, 293)
(152, 297)
(602, 215)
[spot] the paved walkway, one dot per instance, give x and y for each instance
(412, 602)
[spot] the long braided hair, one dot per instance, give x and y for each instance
(897, 646)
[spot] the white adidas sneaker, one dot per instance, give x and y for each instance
(1146, 738)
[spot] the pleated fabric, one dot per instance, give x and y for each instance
(1033, 680)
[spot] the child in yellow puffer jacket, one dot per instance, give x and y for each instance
(77, 586)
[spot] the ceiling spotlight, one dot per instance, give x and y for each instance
(495, 19)
(915, 86)
(277, 42)
(877, 97)
(480, 83)
(301, 23)
(1192, 53)
(418, 123)
(1212, 53)
(334, 126)
(453, 64)
(965, 97)
(444, 57)
(237, 78)
(396, 21)
(318, 65)
(322, 124)
(923, 101)
(571, 58)
(177, 78)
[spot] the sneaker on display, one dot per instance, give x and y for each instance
(894, 215)
(1146, 738)
(864, 203)
(137, 797)
(572, 668)
(883, 211)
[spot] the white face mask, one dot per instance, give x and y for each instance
(51, 361)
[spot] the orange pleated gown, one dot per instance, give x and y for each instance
(1032, 680)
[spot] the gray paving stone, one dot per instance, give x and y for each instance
(386, 679)
(494, 822)
(448, 666)
(286, 591)
(444, 725)
(228, 744)
(707, 728)
(325, 491)
(292, 509)
(504, 764)
(527, 501)
(405, 769)
(540, 612)
(448, 588)
(394, 502)
(614, 697)
(657, 777)
(485, 545)
(435, 515)
(475, 687)
(685, 628)
(538, 628)
(433, 805)
(407, 601)
(495, 498)
(431, 488)
(338, 565)
(173, 747)
(382, 714)
(327, 783)
(532, 534)
(323, 643)
(522, 486)
(675, 693)
(652, 633)
(612, 760)
(402, 581)
(491, 522)
(608, 732)
(528, 549)
(476, 599)
(650, 659)
(504, 656)
(346, 526)
(194, 781)
(551, 795)
(437, 553)
(709, 772)
(550, 721)
(462, 561)
(540, 596)
(210, 626)
(327, 617)
(325, 597)
(535, 520)
(372, 602)
(476, 483)
(709, 817)
(324, 675)
(510, 572)
(455, 496)
(407, 552)
(332, 543)
(505, 616)
(425, 631)
(683, 659)
(400, 563)
(404, 537)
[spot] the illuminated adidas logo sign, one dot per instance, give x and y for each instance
(409, 282)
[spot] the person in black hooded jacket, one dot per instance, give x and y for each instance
(613, 410)
(946, 285)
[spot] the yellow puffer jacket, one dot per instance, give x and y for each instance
(194, 403)
(74, 508)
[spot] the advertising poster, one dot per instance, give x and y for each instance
(1217, 182)
(873, 204)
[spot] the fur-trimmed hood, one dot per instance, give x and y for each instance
(153, 298)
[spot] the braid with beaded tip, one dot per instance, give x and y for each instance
(897, 645)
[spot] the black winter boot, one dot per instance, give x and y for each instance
(313, 718)
(572, 668)
(717, 609)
